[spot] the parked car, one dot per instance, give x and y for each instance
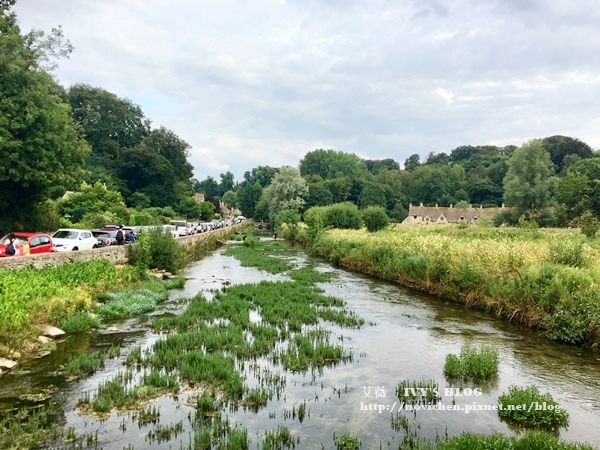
(105, 237)
(70, 239)
(38, 243)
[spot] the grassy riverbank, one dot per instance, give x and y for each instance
(65, 295)
(542, 278)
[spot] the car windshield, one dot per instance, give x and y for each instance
(65, 234)
(18, 240)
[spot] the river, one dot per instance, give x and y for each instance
(406, 336)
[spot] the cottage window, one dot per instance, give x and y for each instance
(415, 217)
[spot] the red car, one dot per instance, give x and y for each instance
(38, 243)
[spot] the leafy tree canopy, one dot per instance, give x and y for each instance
(40, 145)
(333, 164)
(530, 182)
(287, 191)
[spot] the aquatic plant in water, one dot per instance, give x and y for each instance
(473, 363)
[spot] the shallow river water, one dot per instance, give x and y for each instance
(406, 336)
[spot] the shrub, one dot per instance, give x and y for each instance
(589, 224)
(343, 216)
(529, 408)
(375, 218)
(164, 252)
(78, 322)
(473, 363)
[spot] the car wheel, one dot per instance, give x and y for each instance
(75, 249)
(95, 246)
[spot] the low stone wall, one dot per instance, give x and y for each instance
(116, 254)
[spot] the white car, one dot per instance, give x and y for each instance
(70, 239)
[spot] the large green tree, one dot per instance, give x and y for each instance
(110, 124)
(530, 182)
(333, 164)
(40, 145)
(288, 190)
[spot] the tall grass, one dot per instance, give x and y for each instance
(541, 278)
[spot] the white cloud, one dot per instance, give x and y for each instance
(263, 82)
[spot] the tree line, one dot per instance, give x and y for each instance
(103, 152)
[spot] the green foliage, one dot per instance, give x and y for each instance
(207, 211)
(127, 303)
(533, 440)
(286, 191)
(330, 164)
(94, 198)
(254, 255)
(589, 224)
(165, 253)
(372, 195)
(78, 322)
(40, 144)
(287, 223)
(375, 218)
(347, 442)
(314, 218)
(343, 216)
(83, 364)
(529, 408)
(568, 253)
(473, 363)
(48, 295)
(530, 182)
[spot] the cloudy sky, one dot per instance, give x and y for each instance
(262, 82)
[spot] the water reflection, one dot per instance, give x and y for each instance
(406, 336)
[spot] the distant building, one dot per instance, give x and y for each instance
(438, 215)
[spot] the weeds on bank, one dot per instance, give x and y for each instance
(473, 363)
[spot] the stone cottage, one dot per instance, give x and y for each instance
(432, 215)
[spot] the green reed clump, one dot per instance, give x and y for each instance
(83, 364)
(279, 439)
(207, 405)
(164, 433)
(161, 381)
(341, 317)
(529, 408)
(135, 357)
(533, 440)
(256, 397)
(473, 363)
(28, 428)
(258, 257)
(304, 352)
(213, 369)
(78, 322)
(308, 275)
(151, 414)
(422, 392)
(347, 442)
(114, 351)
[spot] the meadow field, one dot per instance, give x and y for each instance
(542, 278)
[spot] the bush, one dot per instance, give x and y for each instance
(375, 218)
(528, 408)
(589, 224)
(343, 216)
(164, 252)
